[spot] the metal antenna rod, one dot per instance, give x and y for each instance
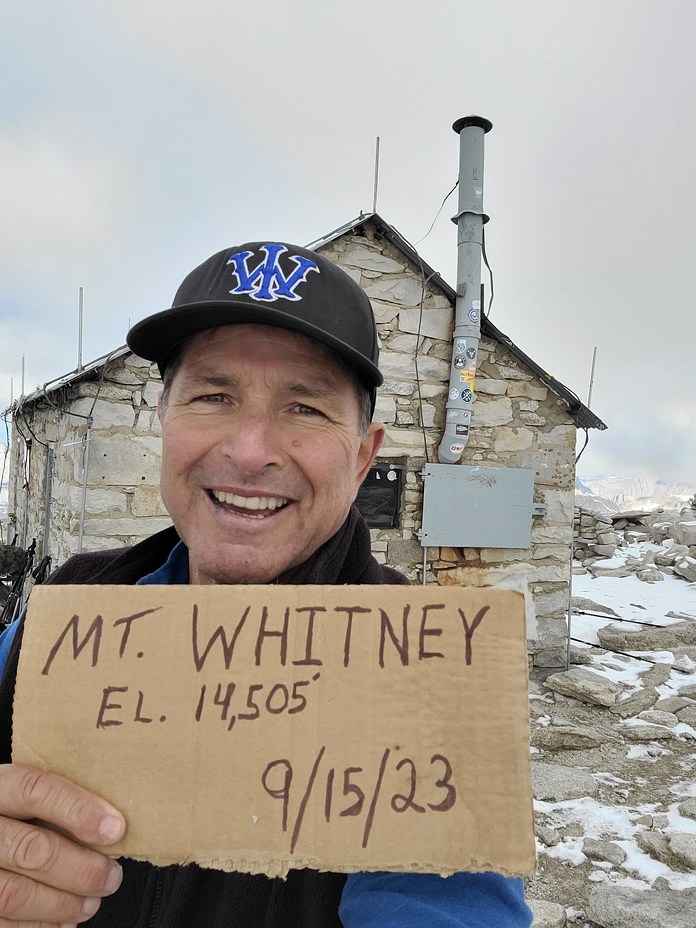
(594, 358)
(79, 329)
(374, 196)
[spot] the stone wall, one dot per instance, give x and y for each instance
(602, 543)
(517, 422)
(122, 503)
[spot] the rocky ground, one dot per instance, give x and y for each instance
(614, 746)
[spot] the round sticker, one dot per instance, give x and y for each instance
(466, 395)
(459, 361)
(456, 448)
(391, 475)
(474, 315)
(471, 353)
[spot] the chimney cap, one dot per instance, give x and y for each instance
(479, 121)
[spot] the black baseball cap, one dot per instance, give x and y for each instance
(268, 283)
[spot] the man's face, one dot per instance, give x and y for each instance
(262, 454)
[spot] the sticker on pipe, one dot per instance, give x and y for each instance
(460, 345)
(456, 448)
(459, 361)
(462, 430)
(471, 353)
(454, 394)
(466, 395)
(467, 376)
(474, 314)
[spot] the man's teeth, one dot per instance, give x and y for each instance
(249, 502)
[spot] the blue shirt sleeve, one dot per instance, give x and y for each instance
(426, 900)
(6, 639)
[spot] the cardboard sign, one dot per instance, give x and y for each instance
(260, 728)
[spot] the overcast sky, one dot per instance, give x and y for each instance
(138, 137)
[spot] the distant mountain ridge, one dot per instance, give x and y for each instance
(614, 493)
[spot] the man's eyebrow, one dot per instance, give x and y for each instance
(313, 389)
(210, 380)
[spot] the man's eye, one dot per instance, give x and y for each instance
(305, 410)
(211, 398)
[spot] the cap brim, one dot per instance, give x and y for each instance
(156, 337)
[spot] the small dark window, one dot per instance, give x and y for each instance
(379, 498)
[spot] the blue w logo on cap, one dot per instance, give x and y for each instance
(267, 281)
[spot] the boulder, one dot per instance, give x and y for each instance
(656, 717)
(614, 906)
(656, 845)
(673, 704)
(686, 568)
(609, 569)
(548, 836)
(584, 685)
(582, 603)
(597, 849)
(648, 639)
(645, 732)
(650, 575)
(685, 532)
(687, 715)
(554, 783)
(668, 557)
(547, 914)
(580, 655)
(637, 702)
(656, 675)
(567, 737)
(688, 808)
(683, 845)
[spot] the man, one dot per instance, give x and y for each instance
(269, 364)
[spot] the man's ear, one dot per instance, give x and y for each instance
(369, 447)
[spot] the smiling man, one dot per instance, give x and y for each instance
(269, 363)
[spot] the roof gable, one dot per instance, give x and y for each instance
(582, 415)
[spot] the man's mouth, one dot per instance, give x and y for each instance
(256, 507)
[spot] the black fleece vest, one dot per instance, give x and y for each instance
(190, 896)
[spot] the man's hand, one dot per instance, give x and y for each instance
(47, 879)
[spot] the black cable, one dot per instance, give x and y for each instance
(432, 224)
(616, 618)
(645, 660)
(490, 270)
(4, 460)
(24, 420)
(587, 438)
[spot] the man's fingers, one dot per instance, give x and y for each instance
(28, 793)
(49, 858)
(24, 900)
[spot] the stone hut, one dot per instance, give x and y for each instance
(86, 448)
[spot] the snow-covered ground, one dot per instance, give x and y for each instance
(637, 781)
(630, 597)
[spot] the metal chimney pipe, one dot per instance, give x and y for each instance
(467, 313)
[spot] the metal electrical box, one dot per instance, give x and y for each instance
(477, 507)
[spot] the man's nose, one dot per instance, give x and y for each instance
(253, 442)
